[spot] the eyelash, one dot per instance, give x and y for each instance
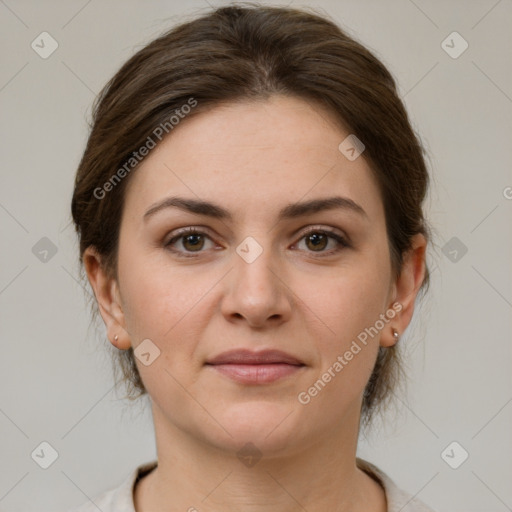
(342, 242)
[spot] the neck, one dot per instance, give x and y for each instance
(194, 476)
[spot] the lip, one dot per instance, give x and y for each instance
(248, 367)
(246, 357)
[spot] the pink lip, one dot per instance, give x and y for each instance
(245, 356)
(249, 367)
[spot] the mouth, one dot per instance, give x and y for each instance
(248, 367)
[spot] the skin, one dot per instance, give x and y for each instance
(253, 158)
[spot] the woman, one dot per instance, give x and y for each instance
(249, 208)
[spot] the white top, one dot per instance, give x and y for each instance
(120, 499)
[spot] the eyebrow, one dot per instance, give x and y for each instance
(290, 211)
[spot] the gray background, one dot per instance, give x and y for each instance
(57, 384)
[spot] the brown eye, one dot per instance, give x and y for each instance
(317, 241)
(189, 242)
(325, 243)
(193, 242)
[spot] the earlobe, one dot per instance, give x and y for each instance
(390, 336)
(406, 288)
(107, 295)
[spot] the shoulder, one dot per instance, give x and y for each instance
(398, 499)
(117, 499)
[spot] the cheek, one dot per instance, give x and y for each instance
(348, 308)
(348, 300)
(346, 346)
(152, 299)
(162, 302)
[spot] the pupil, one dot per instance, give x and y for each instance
(318, 240)
(193, 240)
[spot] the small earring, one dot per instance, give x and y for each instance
(115, 337)
(396, 335)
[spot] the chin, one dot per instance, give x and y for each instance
(271, 427)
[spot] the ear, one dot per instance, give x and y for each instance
(107, 295)
(405, 289)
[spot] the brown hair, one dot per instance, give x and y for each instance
(251, 52)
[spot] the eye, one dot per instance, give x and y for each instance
(317, 240)
(188, 240)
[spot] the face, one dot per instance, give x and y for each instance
(262, 269)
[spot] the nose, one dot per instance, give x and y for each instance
(256, 293)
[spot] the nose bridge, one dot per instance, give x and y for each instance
(254, 264)
(255, 292)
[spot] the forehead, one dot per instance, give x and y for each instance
(254, 156)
